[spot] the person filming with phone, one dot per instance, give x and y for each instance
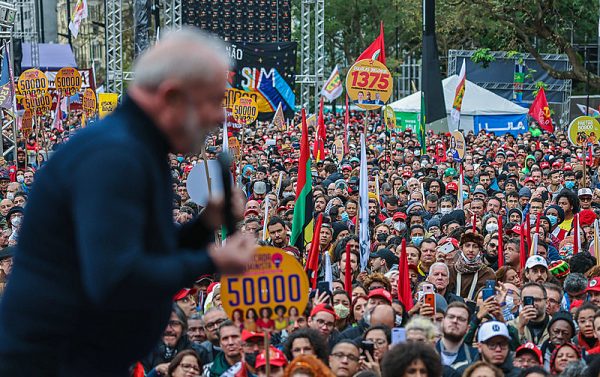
(532, 322)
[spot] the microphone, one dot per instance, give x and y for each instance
(225, 162)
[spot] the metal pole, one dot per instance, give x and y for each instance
(69, 37)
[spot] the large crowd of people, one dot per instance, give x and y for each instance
(497, 311)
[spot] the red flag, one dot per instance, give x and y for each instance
(404, 292)
(320, 137)
(540, 111)
(138, 370)
(348, 271)
(376, 51)
(312, 263)
(500, 243)
(528, 229)
(474, 223)
(522, 253)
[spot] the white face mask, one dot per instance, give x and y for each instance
(20, 178)
(16, 221)
(10, 195)
(491, 227)
(445, 211)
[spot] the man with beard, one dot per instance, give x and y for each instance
(230, 341)
(94, 256)
(490, 253)
(174, 340)
(469, 273)
(279, 236)
(451, 347)
(532, 321)
(561, 329)
(536, 270)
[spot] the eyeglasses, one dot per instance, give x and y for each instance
(452, 317)
(187, 367)
(498, 345)
(585, 198)
(322, 322)
(215, 324)
(341, 356)
(378, 342)
(553, 301)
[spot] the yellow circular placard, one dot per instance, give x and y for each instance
(39, 105)
(89, 102)
(584, 130)
(369, 84)
(68, 81)
(274, 280)
(245, 110)
(32, 83)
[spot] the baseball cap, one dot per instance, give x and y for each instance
(524, 192)
(399, 216)
(535, 260)
(205, 277)
(247, 335)
(450, 172)
(584, 191)
(260, 188)
(480, 191)
(346, 167)
(529, 179)
(452, 186)
(515, 229)
(276, 358)
(490, 329)
(184, 293)
(323, 308)
(380, 292)
(594, 285)
(531, 348)
(386, 254)
(251, 211)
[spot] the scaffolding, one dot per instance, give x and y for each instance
(115, 76)
(24, 29)
(312, 55)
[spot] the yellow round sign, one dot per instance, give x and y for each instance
(89, 102)
(40, 105)
(389, 117)
(337, 149)
(584, 130)
(369, 84)
(245, 110)
(32, 83)
(274, 280)
(458, 145)
(68, 81)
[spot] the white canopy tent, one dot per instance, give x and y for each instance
(478, 104)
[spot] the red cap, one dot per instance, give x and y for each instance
(276, 358)
(380, 292)
(288, 161)
(530, 347)
(594, 285)
(556, 165)
(407, 174)
(545, 165)
(452, 186)
(184, 293)
(399, 216)
(323, 308)
(211, 286)
(529, 179)
(247, 335)
(414, 267)
(251, 211)
(453, 241)
(568, 167)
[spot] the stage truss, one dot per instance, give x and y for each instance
(312, 52)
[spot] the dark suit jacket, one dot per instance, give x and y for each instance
(99, 257)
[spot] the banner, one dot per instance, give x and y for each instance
(501, 124)
(267, 72)
(332, 88)
(107, 103)
(584, 130)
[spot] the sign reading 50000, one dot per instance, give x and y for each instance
(369, 84)
(273, 282)
(245, 110)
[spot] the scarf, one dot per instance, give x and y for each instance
(463, 266)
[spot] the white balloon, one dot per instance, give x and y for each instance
(197, 184)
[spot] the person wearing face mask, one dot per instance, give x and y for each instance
(556, 215)
(469, 273)
(417, 234)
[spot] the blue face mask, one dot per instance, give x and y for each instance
(570, 184)
(180, 159)
(553, 219)
(345, 216)
(416, 240)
